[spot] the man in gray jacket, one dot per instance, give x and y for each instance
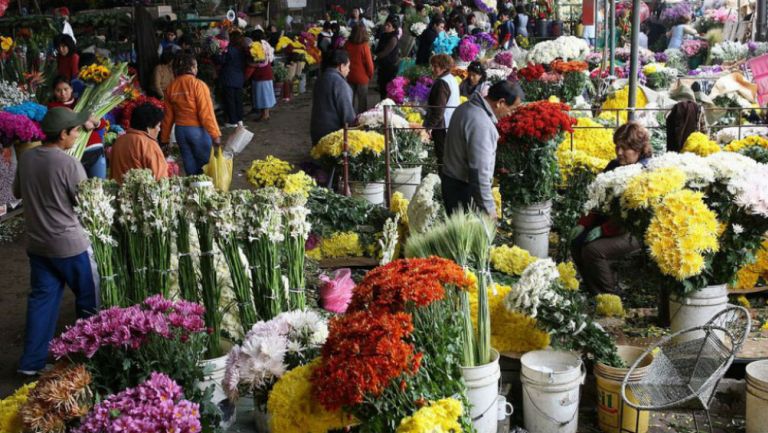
(470, 148)
(332, 97)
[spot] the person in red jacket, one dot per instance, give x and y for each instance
(93, 160)
(598, 240)
(67, 59)
(360, 66)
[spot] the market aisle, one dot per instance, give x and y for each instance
(285, 135)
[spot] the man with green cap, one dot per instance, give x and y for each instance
(59, 250)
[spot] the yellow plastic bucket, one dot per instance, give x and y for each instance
(609, 381)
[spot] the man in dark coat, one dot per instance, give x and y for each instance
(427, 38)
(332, 97)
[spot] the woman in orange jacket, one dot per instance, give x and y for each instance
(360, 66)
(190, 108)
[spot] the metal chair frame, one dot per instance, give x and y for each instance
(731, 328)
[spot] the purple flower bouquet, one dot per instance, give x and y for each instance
(396, 89)
(694, 47)
(156, 405)
(486, 40)
(679, 13)
(18, 128)
(468, 49)
(505, 58)
(419, 92)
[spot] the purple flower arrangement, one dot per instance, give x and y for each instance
(468, 49)
(419, 92)
(485, 40)
(18, 128)
(156, 405)
(706, 70)
(678, 13)
(660, 57)
(396, 89)
(130, 327)
(505, 58)
(485, 6)
(694, 47)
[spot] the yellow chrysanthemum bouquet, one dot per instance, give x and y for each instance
(364, 149)
(754, 146)
(700, 144)
(702, 219)
(274, 172)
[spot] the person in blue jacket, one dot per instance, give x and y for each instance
(232, 79)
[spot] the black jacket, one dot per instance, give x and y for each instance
(424, 52)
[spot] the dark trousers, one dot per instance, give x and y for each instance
(386, 74)
(360, 97)
(457, 194)
(438, 136)
(48, 277)
(594, 260)
(233, 104)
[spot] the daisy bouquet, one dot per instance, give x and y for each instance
(271, 349)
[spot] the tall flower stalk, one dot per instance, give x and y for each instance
(187, 277)
(262, 238)
(160, 204)
(200, 201)
(130, 218)
(296, 233)
(95, 208)
(230, 211)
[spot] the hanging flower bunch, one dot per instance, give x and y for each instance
(700, 144)
(31, 110)
(681, 232)
(294, 409)
(157, 405)
(61, 396)
(94, 73)
(129, 106)
(18, 128)
(441, 415)
(468, 49)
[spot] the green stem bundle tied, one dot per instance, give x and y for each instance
(296, 232)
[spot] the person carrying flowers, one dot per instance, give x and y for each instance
(470, 148)
(262, 87)
(190, 108)
(93, 160)
(443, 100)
(598, 241)
(58, 248)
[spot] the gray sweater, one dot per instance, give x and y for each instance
(470, 149)
(331, 105)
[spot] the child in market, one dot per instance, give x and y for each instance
(93, 160)
(67, 59)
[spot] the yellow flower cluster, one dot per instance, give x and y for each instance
(681, 231)
(650, 187)
(743, 301)
(412, 115)
(700, 144)
(567, 271)
(10, 417)
(592, 149)
(496, 191)
(652, 68)
(511, 260)
(749, 274)
(340, 244)
(95, 73)
(609, 306)
(438, 417)
(399, 205)
(298, 183)
(620, 101)
(270, 171)
(293, 409)
(752, 140)
(257, 52)
(510, 331)
(332, 145)
(6, 43)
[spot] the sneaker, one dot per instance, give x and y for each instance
(31, 373)
(230, 125)
(240, 123)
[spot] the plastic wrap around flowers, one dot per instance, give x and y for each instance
(336, 291)
(18, 128)
(445, 44)
(29, 109)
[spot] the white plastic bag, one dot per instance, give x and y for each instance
(238, 140)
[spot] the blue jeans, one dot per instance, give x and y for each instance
(195, 145)
(97, 167)
(48, 277)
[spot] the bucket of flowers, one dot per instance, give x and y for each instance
(526, 166)
(696, 51)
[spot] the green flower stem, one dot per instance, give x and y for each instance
(210, 289)
(240, 283)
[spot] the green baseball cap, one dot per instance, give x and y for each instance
(61, 118)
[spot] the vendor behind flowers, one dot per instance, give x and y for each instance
(598, 241)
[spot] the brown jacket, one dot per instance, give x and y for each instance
(162, 77)
(188, 103)
(135, 150)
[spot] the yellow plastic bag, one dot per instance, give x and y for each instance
(219, 168)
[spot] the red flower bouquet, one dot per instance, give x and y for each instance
(525, 161)
(531, 72)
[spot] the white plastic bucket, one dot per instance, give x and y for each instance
(214, 375)
(406, 180)
(482, 384)
(531, 227)
(551, 382)
(371, 192)
(757, 397)
(697, 309)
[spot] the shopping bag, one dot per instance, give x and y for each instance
(219, 168)
(238, 140)
(336, 292)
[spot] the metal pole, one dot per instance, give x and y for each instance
(762, 22)
(388, 178)
(633, 66)
(612, 35)
(345, 185)
(605, 30)
(596, 34)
